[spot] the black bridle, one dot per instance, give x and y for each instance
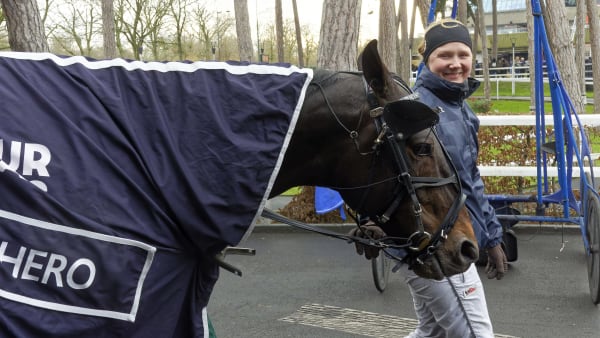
(420, 245)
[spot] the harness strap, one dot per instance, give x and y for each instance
(428, 182)
(301, 225)
(399, 192)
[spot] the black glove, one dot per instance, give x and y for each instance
(497, 264)
(368, 230)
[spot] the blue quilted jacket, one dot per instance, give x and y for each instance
(458, 129)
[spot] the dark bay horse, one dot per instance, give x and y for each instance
(333, 144)
(122, 181)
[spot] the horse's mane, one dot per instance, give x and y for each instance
(326, 77)
(320, 74)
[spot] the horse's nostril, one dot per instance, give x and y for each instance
(469, 250)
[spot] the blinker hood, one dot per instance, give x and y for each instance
(409, 117)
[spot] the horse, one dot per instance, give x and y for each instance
(123, 181)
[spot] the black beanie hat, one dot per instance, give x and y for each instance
(443, 33)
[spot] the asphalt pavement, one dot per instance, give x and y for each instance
(302, 284)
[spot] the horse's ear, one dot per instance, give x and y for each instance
(374, 71)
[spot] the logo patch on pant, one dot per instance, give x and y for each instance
(469, 291)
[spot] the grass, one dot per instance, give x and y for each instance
(521, 107)
(507, 106)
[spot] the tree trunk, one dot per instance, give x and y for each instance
(339, 35)
(25, 29)
(242, 28)
(108, 29)
(495, 29)
(557, 27)
(403, 47)
(298, 35)
(387, 33)
(462, 12)
(484, 52)
(531, 53)
(592, 11)
(476, 43)
(579, 36)
(279, 30)
(423, 10)
(461, 15)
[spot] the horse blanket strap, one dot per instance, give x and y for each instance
(119, 180)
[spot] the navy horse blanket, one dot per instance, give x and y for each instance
(122, 179)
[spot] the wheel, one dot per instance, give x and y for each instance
(381, 267)
(592, 224)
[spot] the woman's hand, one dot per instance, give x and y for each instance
(369, 230)
(497, 264)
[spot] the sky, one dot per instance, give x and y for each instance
(309, 12)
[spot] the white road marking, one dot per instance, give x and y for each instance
(368, 324)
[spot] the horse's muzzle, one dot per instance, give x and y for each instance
(446, 262)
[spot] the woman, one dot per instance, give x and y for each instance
(444, 82)
(454, 306)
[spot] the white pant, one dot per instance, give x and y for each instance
(441, 313)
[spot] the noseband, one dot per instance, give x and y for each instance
(419, 245)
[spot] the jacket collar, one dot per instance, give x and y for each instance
(446, 90)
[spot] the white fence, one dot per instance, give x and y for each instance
(592, 120)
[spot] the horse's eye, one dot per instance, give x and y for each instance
(422, 149)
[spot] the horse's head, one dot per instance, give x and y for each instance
(363, 135)
(413, 191)
(422, 208)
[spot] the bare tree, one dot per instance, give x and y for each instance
(45, 11)
(108, 29)
(557, 27)
(298, 35)
(179, 10)
(339, 35)
(242, 27)
(411, 34)
(76, 26)
(594, 22)
(495, 29)
(579, 36)
(269, 40)
(531, 53)
(311, 46)
(25, 29)
(475, 41)
(387, 33)
(423, 6)
(462, 13)
(141, 22)
(279, 30)
(209, 29)
(484, 52)
(403, 47)
(119, 12)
